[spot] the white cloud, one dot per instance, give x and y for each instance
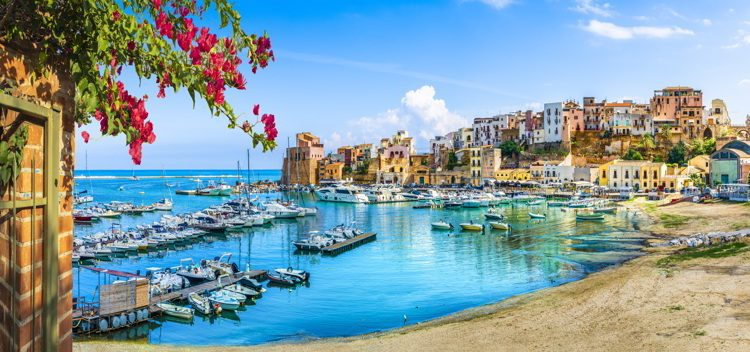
(642, 18)
(744, 39)
(613, 31)
(591, 7)
(744, 82)
(497, 4)
(430, 117)
(706, 22)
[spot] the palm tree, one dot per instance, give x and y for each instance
(647, 145)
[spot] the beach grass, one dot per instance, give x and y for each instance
(721, 251)
(672, 220)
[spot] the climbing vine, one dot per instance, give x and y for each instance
(159, 40)
(11, 149)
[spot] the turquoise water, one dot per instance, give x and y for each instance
(410, 271)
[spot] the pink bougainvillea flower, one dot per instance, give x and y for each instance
(256, 109)
(85, 136)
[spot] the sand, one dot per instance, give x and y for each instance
(699, 305)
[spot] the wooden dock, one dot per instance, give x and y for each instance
(181, 295)
(341, 247)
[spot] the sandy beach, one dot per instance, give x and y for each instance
(690, 302)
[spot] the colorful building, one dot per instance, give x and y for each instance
(301, 161)
(730, 164)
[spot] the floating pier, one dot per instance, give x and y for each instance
(181, 295)
(341, 247)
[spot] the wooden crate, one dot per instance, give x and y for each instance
(123, 296)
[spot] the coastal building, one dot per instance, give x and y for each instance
(558, 171)
(679, 109)
(439, 148)
(486, 131)
(491, 161)
(592, 113)
(553, 122)
(393, 158)
(731, 163)
(330, 171)
(419, 169)
(462, 138)
(349, 154)
(573, 120)
(472, 157)
(300, 164)
(702, 162)
(627, 118)
(363, 153)
(635, 174)
(536, 169)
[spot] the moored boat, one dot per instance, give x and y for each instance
(471, 226)
(442, 225)
(299, 275)
(200, 304)
(537, 215)
(590, 217)
(498, 225)
(176, 311)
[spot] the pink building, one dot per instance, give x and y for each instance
(572, 120)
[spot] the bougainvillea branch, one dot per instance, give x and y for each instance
(158, 39)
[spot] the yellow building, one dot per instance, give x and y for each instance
(472, 157)
(537, 171)
(702, 162)
(513, 175)
(333, 171)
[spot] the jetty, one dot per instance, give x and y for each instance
(351, 243)
(182, 295)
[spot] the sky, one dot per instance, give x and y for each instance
(356, 71)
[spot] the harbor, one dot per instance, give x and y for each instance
(397, 242)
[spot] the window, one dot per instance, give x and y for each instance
(655, 176)
(614, 173)
(627, 174)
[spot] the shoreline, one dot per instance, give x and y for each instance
(514, 322)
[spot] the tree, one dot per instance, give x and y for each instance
(346, 170)
(93, 41)
(700, 146)
(698, 180)
(647, 144)
(510, 148)
(678, 154)
(632, 154)
(452, 160)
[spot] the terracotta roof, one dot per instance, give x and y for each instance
(623, 105)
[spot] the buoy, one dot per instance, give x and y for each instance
(115, 322)
(131, 317)
(103, 325)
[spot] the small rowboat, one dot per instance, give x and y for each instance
(470, 226)
(537, 216)
(109, 214)
(605, 210)
(441, 225)
(589, 217)
(176, 311)
(497, 225)
(238, 296)
(536, 202)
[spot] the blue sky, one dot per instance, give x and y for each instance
(355, 71)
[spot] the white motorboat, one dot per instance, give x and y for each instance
(200, 304)
(442, 225)
(163, 205)
(471, 226)
(493, 214)
(279, 211)
(341, 194)
(225, 301)
(300, 275)
(499, 225)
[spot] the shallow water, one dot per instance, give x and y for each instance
(409, 274)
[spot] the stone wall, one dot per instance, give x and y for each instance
(20, 317)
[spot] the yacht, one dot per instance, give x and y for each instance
(341, 194)
(279, 211)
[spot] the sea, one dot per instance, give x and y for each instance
(410, 274)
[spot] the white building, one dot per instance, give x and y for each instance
(553, 122)
(486, 131)
(438, 144)
(559, 171)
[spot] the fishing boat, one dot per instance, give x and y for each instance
(537, 215)
(280, 279)
(589, 217)
(222, 189)
(225, 301)
(200, 304)
(442, 225)
(493, 214)
(498, 225)
(163, 205)
(471, 226)
(299, 275)
(176, 311)
(605, 210)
